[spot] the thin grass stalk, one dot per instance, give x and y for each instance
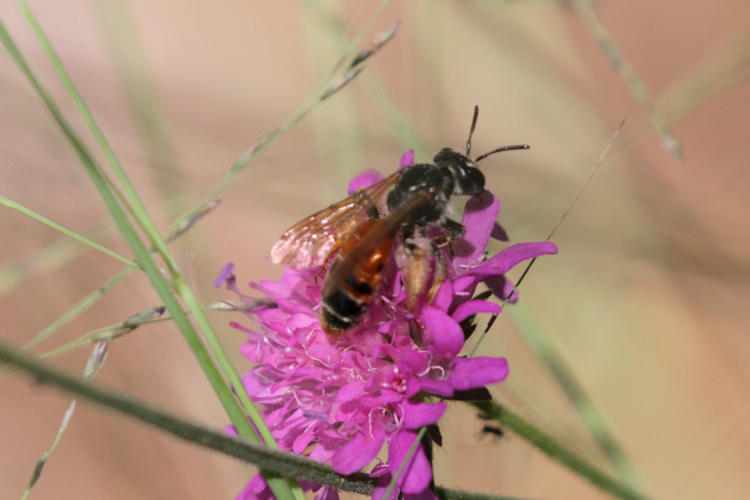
(280, 486)
(57, 227)
(284, 463)
(556, 451)
(140, 213)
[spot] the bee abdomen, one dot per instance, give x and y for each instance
(341, 311)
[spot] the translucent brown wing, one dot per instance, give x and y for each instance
(309, 242)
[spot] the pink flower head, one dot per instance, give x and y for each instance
(340, 399)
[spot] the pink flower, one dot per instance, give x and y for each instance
(340, 399)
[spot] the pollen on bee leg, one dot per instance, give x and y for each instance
(439, 276)
(415, 259)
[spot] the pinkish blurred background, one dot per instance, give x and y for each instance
(647, 300)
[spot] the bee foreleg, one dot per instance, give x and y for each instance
(455, 230)
(439, 273)
(370, 206)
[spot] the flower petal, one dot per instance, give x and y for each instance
(502, 287)
(436, 387)
(444, 296)
(479, 219)
(469, 373)
(225, 275)
(474, 307)
(509, 257)
(364, 180)
(327, 493)
(407, 159)
(445, 334)
(358, 452)
(417, 473)
(257, 489)
(420, 414)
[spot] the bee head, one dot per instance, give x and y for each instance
(467, 177)
(463, 162)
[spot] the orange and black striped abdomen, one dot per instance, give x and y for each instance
(355, 275)
(357, 270)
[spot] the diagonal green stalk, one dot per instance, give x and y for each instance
(295, 465)
(95, 362)
(140, 213)
(77, 309)
(96, 246)
(586, 409)
(283, 463)
(556, 451)
(280, 486)
(402, 465)
(316, 97)
(589, 16)
(539, 340)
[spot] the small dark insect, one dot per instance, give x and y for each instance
(358, 234)
(493, 431)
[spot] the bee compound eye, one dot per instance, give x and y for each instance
(471, 181)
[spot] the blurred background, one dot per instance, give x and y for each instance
(646, 304)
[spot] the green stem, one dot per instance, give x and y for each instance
(77, 309)
(553, 449)
(539, 340)
(279, 486)
(281, 463)
(96, 246)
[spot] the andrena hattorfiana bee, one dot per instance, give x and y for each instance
(356, 236)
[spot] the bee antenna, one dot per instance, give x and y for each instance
(501, 149)
(471, 130)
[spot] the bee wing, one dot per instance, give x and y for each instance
(309, 242)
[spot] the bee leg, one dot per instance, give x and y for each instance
(439, 273)
(370, 207)
(455, 230)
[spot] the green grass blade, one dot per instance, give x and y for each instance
(628, 73)
(282, 463)
(540, 342)
(26, 211)
(278, 485)
(556, 451)
(77, 309)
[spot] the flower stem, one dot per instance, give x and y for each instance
(281, 463)
(553, 449)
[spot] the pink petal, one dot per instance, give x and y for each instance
(436, 387)
(502, 288)
(444, 296)
(509, 257)
(257, 489)
(327, 493)
(469, 373)
(302, 441)
(384, 479)
(357, 453)
(350, 391)
(446, 335)
(225, 275)
(407, 159)
(417, 474)
(364, 180)
(421, 414)
(479, 218)
(474, 307)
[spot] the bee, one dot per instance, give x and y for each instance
(358, 234)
